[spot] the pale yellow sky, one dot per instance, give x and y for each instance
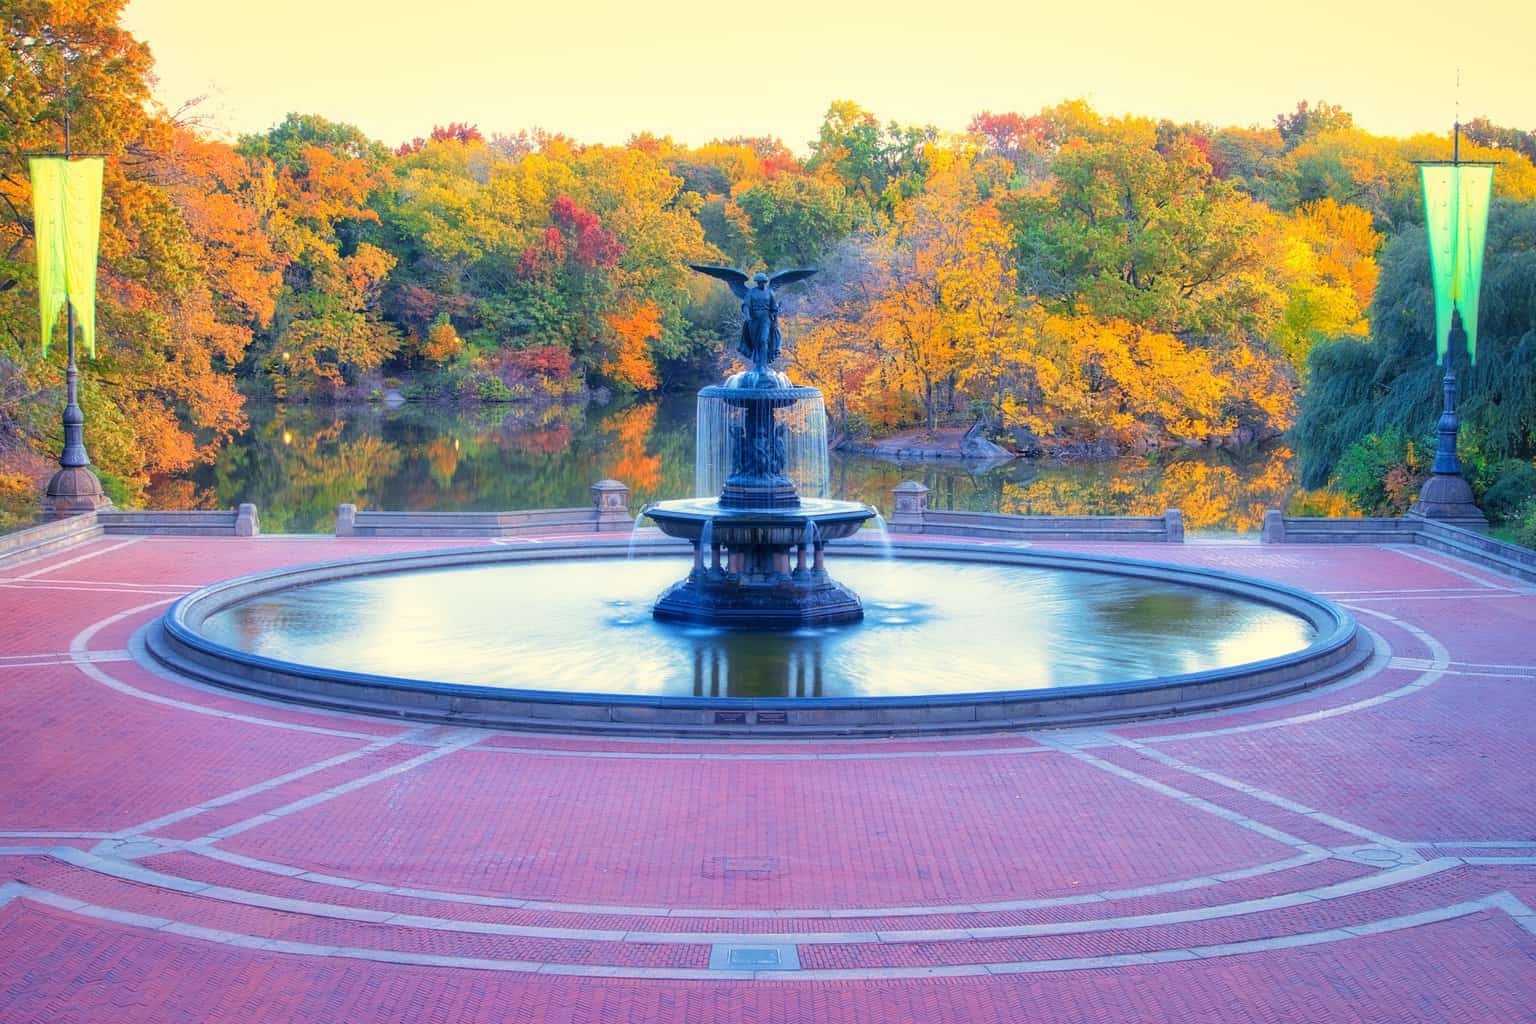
(600, 71)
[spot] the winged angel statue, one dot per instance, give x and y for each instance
(760, 339)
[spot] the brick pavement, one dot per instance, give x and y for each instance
(1363, 852)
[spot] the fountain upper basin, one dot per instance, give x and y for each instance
(685, 519)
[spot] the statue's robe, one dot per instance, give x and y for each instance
(760, 338)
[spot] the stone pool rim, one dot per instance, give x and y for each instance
(174, 642)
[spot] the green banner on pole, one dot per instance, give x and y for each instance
(66, 217)
(1456, 200)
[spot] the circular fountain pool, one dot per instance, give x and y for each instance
(562, 635)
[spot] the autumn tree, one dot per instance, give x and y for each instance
(654, 220)
(1135, 226)
(1307, 120)
(1247, 157)
(882, 164)
(185, 265)
(1028, 143)
(952, 297)
(1377, 173)
(634, 330)
(829, 342)
(328, 329)
(1484, 132)
(1331, 260)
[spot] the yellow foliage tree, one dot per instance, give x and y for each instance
(1129, 386)
(951, 293)
(1331, 255)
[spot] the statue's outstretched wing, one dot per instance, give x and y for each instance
(785, 277)
(730, 275)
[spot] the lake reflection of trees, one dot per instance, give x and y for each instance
(1213, 493)
(297, 463)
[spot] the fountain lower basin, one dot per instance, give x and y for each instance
(762, 568)
(908, 668)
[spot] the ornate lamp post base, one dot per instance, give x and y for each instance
(74, 488)
(73, 491)
(1446, 497)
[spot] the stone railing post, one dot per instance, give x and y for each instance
(610, 502)
(346, 520)
(1274, 527)
(1173, 526)
(247, 524)
(911, 506)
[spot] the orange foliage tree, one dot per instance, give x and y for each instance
(635, 331)
(185, 269)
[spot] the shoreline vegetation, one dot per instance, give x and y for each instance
(1061, 281)
(297, 462)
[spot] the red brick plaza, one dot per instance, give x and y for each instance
(1363, 852)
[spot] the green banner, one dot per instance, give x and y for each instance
(1456, 215)
(66, 217)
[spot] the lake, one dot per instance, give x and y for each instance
(298, 462)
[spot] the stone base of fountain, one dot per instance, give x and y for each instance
(761, 568)
(759, 600)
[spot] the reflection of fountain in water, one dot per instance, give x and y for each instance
(798, 671)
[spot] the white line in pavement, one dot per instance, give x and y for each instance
(43, 661)
(1441, 660)
(1284, 803)
(1503, 901)
(1420, 557)
(272, 783)
(78, 558)
(469, 738)
(137, 873)
(819, 913)
(81, 643)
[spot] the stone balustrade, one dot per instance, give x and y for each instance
(911, 514)
(609, 512)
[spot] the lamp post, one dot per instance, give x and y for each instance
(74, 488)
(1456, 195)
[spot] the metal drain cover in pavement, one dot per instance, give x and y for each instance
(742, 867)
(726, 957)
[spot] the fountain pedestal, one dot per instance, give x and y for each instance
(759, 548)
(759, 568)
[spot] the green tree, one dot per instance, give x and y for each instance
(793, 219)
(881, 164)
(1134, 226)
(1392, 383)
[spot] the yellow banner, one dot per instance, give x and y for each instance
(66, 215)
(48, 229)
